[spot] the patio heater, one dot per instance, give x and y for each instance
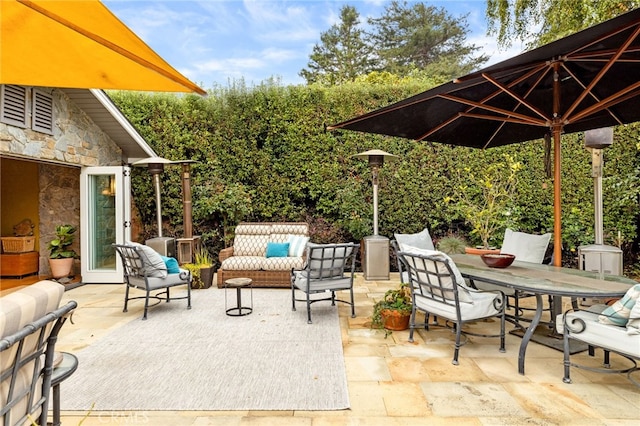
(375, 261)
(189, 244)
(599, 257)
(166, 246)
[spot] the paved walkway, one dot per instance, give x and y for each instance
(394, 382)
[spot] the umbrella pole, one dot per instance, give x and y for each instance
(557, 211)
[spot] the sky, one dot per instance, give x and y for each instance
(216, 42)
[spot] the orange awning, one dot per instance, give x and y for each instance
(79, 44)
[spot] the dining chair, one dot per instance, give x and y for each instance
(438, 289)
(526, 248)
(329, 268)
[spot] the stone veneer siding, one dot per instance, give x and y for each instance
(77, 142)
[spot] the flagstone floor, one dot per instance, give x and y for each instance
(394, 382)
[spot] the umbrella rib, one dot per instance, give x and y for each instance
(575, 77)
(514, 96)
(506, 113)
(602, 72)
(608, 102)
(112, 46)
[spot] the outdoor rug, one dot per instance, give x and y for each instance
(202, 359)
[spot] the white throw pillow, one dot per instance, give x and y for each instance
(152, 261)
(421, 240)
(525, 247)
(463, 289)
(297, 245)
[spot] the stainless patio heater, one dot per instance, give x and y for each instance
(599, 257)
(375, 262)
(166, 246)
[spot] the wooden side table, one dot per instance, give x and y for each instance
(238, 283)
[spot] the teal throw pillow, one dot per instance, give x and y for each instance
(172, 264)
(277, 249)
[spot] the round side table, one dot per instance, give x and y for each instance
(238, 283)
(62, 371)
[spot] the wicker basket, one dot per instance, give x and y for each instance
(18, 244)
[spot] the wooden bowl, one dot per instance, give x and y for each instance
(501, 260)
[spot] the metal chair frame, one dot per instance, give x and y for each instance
(324, 272)
(33, 344)
(429, 284)
(137, 276)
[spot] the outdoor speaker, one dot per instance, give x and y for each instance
(598, 138)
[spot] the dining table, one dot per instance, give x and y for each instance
(541, 280)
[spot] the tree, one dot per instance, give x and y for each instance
(538, 22)
(342, 55)
(425, 38)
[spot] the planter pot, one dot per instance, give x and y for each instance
(395, 320)
(479, 251)
(61, 268)
(206, 277)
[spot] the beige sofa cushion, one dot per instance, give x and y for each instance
(250, 245)
(290, 228)
(243, 263)
(282, 263)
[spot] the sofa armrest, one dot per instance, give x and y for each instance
(225, 254)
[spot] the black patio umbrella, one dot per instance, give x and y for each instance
(588, 80)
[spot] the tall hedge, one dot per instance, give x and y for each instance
(263, 155)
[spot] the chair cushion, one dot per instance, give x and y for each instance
(24, 306)
(601, 335)
(277, 249)
(335, 283)
(325, 263)
(251, 244)
(290, 228)
(480, 306)
(525, 247)
(282, 263)
(421, 240)
(243, 263)
(618, 313)
(463, 289)
(297, 244)
(152, 263)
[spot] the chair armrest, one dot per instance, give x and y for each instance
(225, 254)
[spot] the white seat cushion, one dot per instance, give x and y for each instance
(481, 307)
(606, 336)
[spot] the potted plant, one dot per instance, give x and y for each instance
(61, 255)
(484, 197)
(452, 244)
(393, 311)
(201, 269)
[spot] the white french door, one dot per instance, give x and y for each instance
(105, 218)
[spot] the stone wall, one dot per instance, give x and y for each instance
(59, 201)
(76, 139)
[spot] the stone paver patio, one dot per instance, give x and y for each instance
(394, 382)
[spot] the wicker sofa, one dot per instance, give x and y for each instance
(248, 255)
